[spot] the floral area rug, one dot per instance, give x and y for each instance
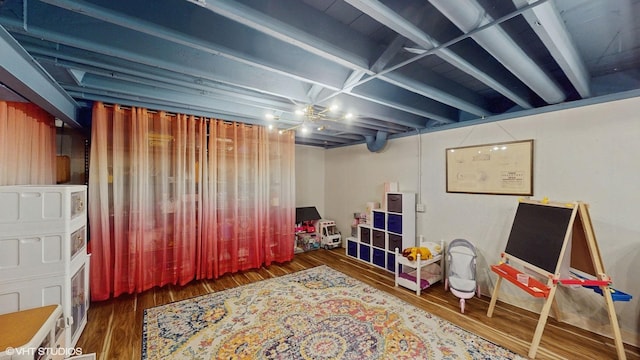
(317, 313)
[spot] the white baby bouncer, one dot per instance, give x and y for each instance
(461, 270)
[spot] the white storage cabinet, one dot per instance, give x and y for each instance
(44, 258)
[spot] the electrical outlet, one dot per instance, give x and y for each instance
(420, 208)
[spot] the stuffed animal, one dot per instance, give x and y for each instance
(412, 253)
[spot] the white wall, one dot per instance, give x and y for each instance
(591, 153)
(310, 177)
(356, 176)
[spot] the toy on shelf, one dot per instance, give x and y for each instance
(412, 253)
(358, 218)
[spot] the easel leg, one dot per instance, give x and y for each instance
(598, 268)
(494, 297)
(544, 314)
(617, 337)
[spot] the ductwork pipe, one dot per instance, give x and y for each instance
(377, 143)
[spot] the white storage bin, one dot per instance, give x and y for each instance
(31, 255)
(28, 294)
(25, 256)
(70, 289)
(41, 207)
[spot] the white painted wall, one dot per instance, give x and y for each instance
(591, 153)
(310, 177)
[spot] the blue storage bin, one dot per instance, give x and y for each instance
(379, 257)
(394, 223)
(352, 248)
(378, 220)
(391, 262)
(365, 252)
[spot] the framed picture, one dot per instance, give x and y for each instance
(501, 168)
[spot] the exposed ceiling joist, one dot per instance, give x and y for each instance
(231, 9)
(470, 15)
(23, 75)
(546, 22)
(388, 17)
(402, 67)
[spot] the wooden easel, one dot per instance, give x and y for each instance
(585, 256)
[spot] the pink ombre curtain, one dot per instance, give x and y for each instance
(248, 199)
(27, 145)
(174, 197)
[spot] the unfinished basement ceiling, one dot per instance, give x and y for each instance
(398, 66)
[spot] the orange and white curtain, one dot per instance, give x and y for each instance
(27, 145)
(175, 197)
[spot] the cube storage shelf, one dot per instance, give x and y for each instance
(392, 228)
(44, 258)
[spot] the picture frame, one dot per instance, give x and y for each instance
(504, 168)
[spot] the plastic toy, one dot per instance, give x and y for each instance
(328, 233)
(411, 253)
(461, 271)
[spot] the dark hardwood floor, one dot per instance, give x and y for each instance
(114, 329)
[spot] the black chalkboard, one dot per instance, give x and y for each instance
(538, 233)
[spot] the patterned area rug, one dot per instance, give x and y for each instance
(317, 313)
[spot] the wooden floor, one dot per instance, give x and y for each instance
(114, 330)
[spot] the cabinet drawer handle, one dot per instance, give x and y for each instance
(30, 240)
